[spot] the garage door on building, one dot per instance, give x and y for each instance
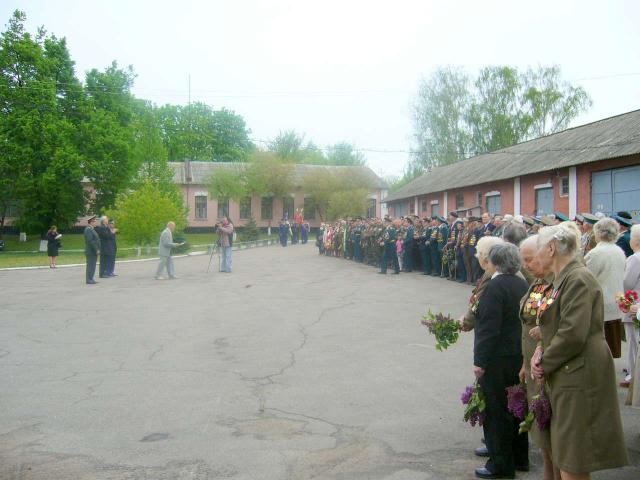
(615, 190)
(544, 201)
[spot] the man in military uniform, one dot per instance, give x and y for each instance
(357, 241)
(389, 238)
(450, 248)
(441, 240)
(461, 239)
(423, 246)
(476, 233)
(625, 221)
(407, 257)
(588, 241)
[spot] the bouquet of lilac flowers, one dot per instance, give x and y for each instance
(445, 329)
(517, 401)
(539, 410)
(473, 398)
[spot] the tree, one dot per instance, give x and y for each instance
(198, 132)
(453, 120)
(107, 136)
(328, 189)
(348, 203)
(288, 146)
(344, 153)
(266, 174)
(143, 213)
(40, 165)
(227, 183)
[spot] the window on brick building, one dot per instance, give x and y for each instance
(459, 201)
(478, 199)
(371, 210)
(564, 186)
(435, 209)
(245, 208)
(201, 207)
(494, 204)
(287, 207)
(266, 208)
(223, 208)
(424, 205)
(412, 207)
(309, 209)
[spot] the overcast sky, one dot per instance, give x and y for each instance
(342, 70)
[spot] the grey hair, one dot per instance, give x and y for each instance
(514, 233)
(485, 244)
(564, 236)
(635, 233)
(606, 230)
(506, 258)
(104, 219)
(531, 241)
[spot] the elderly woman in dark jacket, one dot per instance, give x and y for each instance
(497, 357)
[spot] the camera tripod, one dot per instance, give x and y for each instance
(213, 251)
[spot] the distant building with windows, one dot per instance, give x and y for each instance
(590, 168)
(194, 177)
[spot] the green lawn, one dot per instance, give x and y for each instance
(17, 254)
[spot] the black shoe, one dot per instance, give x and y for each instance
(481, 451)
(484, 473)
(91, 282)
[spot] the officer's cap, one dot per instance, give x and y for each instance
(590, 218)
(561, 216)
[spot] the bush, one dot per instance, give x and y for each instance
(250, 231)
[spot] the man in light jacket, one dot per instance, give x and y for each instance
(164, 252)
(225, 230)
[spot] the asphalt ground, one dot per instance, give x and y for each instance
(294, 366)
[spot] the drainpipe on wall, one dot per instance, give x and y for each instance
(516, 196)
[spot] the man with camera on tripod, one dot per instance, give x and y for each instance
(225, 240)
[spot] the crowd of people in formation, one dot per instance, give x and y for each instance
(544, 312)
(296, 231)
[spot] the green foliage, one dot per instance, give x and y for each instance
(456, 117)
(348, 203)
(227, 183)
(250, 230)
(143, 213)
(290, 146)
(338, 193)
(197, 132)
(267, 174)
(40, 165)
(443, 327)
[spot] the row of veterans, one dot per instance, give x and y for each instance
(539, 314)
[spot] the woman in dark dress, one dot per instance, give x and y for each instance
(53, 244)
(497, 356)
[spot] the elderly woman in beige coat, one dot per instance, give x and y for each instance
(575, 361)
(607, 262)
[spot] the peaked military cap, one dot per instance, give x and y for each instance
(528, 220)
(590, 218)
(547, 221)
(623, 221)
(561, 216)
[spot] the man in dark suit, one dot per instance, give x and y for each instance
(107, 246)
(497, 357)
(624, 240)
(91, 249)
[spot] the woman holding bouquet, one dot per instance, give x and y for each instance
(575, 361)
(530, 339)
(497, 356)
(632, 282)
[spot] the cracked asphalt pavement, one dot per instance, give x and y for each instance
(294, 366)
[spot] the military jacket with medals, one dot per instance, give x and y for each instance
(390, 235)
(443, 234)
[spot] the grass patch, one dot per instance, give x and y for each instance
(26, 254)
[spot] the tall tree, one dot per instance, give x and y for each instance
(40, 166)
(455, 117)
(269, 175)
(344, 153)
(107, 136)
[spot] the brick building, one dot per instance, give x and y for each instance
(593, 167)
(193, 178)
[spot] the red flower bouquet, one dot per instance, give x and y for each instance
(626, 300)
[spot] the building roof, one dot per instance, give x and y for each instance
(202, 171)
(612, 137)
